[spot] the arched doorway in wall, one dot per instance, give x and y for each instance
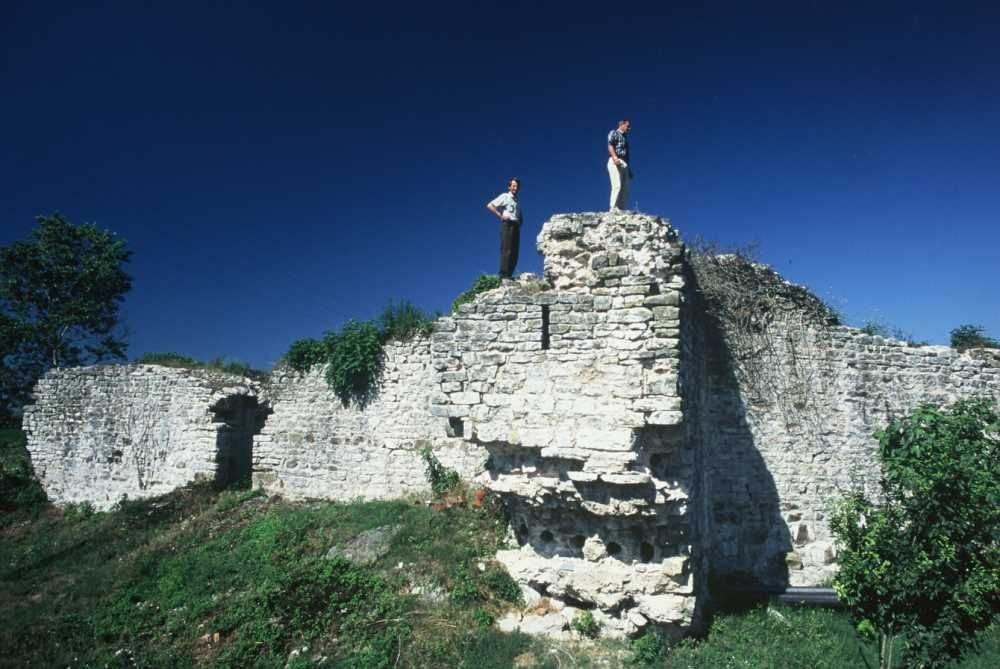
(239, 418)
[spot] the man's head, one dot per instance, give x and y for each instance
(624, 126)
(514, 186)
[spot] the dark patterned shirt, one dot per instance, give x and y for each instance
(620, 143)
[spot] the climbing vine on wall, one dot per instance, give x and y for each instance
(766, 323)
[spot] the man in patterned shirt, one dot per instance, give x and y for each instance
(619, 161)
(506, 207)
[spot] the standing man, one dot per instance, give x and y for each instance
(619, 164)
(506, 207)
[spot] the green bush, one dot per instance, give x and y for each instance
(401, 321)
(502, 584)
(584, 623)
(971, 336)
(442, 479)
(484, 283)
(354, 355)
(648, 649)
(923, 563)
(354, 361)
(304, 354)
(19, 489)
(484, 618)
(464, 589)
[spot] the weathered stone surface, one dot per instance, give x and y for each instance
(371, 452)
(98, 434)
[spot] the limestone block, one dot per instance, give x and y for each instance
(552, 625)
(630, 315)
(667, 608)
(665, 418)
(466, 398)
(657, 403)
(594, 549)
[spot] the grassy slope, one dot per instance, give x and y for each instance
(234, 579)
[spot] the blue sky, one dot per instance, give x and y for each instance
(278, 168)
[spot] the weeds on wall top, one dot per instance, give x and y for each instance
(883, 329)
(969, 336)
(186, 362)
(355, 354)
(484, 283)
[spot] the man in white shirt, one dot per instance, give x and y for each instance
(506, 207)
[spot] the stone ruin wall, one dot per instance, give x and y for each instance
(313, 446)
(571, 385)
(783, 448)
(98, 434)
(639, 446)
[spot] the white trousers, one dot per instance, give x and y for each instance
(619, 185)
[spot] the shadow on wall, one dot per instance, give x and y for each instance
(746, 537)
(239, 418)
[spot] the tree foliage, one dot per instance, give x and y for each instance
(971, 336)
(923, 562)
(60, 290)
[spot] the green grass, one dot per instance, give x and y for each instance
(792, 637)
(234, 579)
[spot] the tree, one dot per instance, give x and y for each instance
(971, 336)
(923, 563)
(59, 296)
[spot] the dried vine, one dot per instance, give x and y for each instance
(769, 326)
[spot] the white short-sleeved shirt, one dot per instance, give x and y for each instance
(509, 207)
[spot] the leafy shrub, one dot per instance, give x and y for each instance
(502, 584)
(303, 354)
(484, 618)
(484, 283)
(585, 624)
(465, 589)
(355, 360)
(441, 478)
(355, 354)
(924, 562)
(19, 489)
(648, 649)
(401, 321)
(971, 336)
(76, 512)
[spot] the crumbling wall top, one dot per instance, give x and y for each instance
(583, 251)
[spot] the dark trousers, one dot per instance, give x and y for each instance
(510, 242)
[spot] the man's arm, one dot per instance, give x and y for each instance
(492, 207)
(611, 152)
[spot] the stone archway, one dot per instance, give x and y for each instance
(239, 418)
